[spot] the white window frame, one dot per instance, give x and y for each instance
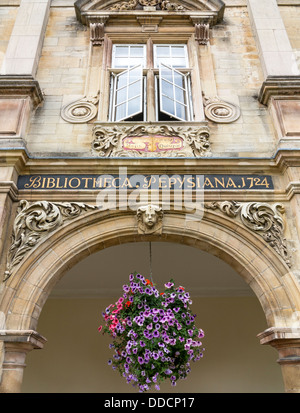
(184, 89)
(126, 89)
(156, 71)
(156, 58)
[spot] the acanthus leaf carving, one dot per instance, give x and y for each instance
(33, 223)
(166, 5)
(108, 140)
(260, 217)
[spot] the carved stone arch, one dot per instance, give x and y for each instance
(266, 273)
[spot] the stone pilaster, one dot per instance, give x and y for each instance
(19, 91)
(15, 346)
(287, 342)
(280, 90)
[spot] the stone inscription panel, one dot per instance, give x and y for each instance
(173, 182)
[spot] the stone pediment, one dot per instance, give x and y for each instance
(212, 10)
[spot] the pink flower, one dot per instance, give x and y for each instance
(99, 328)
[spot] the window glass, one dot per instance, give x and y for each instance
(173, 93)
(125, 56)
(171, 55)
(128, 94)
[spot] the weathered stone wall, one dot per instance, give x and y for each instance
(291, 16)
(7, 19)
(238, 78)
(62, 73)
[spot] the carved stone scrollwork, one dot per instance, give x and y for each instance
(149, 219)
(109, 140)
(160, 4)
(262, 218)
(220, 111)
(81, 111)
(33, 223)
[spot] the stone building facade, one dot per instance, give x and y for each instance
(195, 98)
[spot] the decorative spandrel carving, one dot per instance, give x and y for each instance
(34, 222)
(151, 141)
(262, 218)
(149, 219)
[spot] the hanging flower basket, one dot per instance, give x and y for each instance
(154, 334)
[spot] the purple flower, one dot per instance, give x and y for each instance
(169, 284)
(140, 360)
(155, 333)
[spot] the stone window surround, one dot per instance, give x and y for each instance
(192, 28)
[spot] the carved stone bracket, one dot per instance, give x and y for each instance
(109, 140)
(97, 30)
(262, 218)
(202, 33)
(149, 219)
(81, 111)
(220, 111)
(34, 222)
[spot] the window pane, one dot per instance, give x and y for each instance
(168, 105)
(162, 51)
(179, 79)
(121, 96)
(180, 111)
(134, 74)
(178, 51)
(167, 89)
(134, 89)
(122, 80)
(137, 51)
(171, 55)
(166, 73)
(121, 111)
(121, 51)
(134, 106)
(180, 95)
(128, 99)
(173, 98)
(125, 56)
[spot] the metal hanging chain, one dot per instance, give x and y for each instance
(150, 259)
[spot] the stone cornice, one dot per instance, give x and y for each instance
(279, 87)
(212, 11)
(278, 335)
(21, 86)
(23, 336)
(25, 162)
